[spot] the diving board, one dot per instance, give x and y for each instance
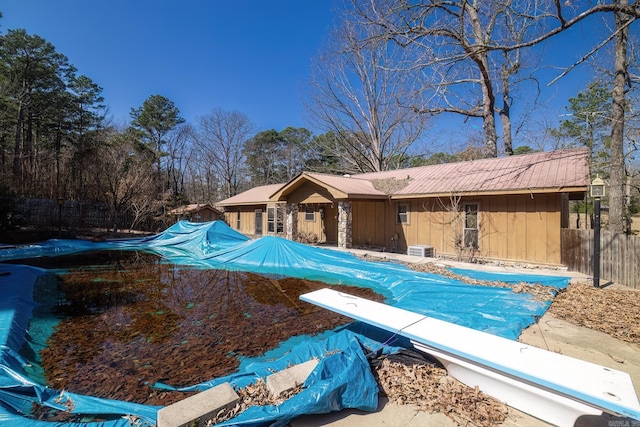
(550, 386)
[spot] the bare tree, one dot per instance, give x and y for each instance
(125, 175)
(219, 138)
(620, 80)
(178, 145)
(624, 15)
(470, 48)
(357, 95)
(453, 44)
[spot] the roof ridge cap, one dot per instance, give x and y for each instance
(350, 176)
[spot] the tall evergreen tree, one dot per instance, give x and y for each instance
(273, 157)
(588, 124)
(32, 73)
(261, 153)
(86, 121)
(153, 121)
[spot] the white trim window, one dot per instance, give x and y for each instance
(402, 213)
(471, 230)
(275, 220)
(310, 214)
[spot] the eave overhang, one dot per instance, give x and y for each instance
(530, 191)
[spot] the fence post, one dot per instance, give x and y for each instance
(596, 242)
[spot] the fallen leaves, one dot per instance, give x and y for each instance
(148, 322)
(256, 394)
(539, 292)
(432, 390)
(614, 311)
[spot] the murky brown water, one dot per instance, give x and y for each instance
(136, 321)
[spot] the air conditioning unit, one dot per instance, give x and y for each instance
(421, 250)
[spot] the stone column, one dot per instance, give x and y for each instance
(292, 221)
(344, 225)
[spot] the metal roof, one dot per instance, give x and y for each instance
(351, 186)
(194, 207)
(554, 170)
(256, 196)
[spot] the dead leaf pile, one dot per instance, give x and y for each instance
(539, 292)
(390, 185)
(254, 395)
(432, 390)
(613, 311)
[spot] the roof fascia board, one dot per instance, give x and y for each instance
(491, 193)
(367, 196)
(242, 204)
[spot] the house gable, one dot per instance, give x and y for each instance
(311, 192)
(339, 187)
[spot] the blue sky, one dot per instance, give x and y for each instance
(251, 56)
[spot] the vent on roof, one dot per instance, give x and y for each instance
(421, 250)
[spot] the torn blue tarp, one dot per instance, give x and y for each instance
(491, 309)
(18, 393)
(342, 379)
(193, 240)
(216, 246)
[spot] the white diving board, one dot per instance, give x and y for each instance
(550, 386)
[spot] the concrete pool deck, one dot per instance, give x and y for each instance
(548, 333)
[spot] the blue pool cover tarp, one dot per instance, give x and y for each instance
(338, 382)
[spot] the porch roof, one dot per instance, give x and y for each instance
(340, 187)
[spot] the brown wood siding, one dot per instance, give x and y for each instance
(247, 219)
(369, 224)
(532, 229)
(319, 226)
(518, 228)
(204, 215)
(555, 220)
(310, 193)
(492, 214)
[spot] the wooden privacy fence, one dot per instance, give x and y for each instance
(619, 255)
(74, 214)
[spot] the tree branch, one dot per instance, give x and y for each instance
(591, 52)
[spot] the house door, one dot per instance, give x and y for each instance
(258, 222)
(330, 223)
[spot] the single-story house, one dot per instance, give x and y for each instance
(508, 208)
(197, 212)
